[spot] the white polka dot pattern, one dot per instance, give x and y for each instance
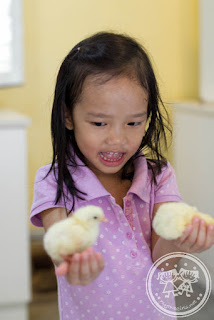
(125, 240)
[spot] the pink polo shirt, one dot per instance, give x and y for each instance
(119, 293)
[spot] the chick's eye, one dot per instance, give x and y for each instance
(134, 124)
(95, 217)
(99, 124)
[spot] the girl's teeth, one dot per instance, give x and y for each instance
(111, 156)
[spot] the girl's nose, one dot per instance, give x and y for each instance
(116, 137)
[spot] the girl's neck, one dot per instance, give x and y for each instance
(117, 187)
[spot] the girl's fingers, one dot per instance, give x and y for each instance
(75, 263)
(201, 239)
(94, 266)
(84, 267)
(73, 272)
(67, 258)
(81, 268)
(194, 234)
(185, 234)
(62, 269)
(189, 236)
(100, 261)
(197, 237)
(210, 237)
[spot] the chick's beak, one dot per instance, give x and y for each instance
(104, 219)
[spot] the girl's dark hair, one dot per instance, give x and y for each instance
(112, 54)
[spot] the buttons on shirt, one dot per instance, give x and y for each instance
(129, 235)
(129, 210)
(128, 203)
(133, 254)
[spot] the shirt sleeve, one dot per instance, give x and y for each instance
(166, 189)
(44, 195)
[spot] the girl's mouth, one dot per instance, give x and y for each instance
(112, 158)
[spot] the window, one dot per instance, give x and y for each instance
(11, 43)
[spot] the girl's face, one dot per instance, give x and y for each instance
(109, 123)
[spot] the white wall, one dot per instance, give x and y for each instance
(206, 50)
(193, 155)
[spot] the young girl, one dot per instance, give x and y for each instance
(107, 130)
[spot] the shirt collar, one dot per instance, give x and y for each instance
(141, 182)
(87, 182)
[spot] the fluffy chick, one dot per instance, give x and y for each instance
(172, 218)
(74, 234)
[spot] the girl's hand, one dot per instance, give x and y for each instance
(197, 237)
(81, 268)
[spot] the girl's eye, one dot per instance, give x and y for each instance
(99, 124)
(134, 124)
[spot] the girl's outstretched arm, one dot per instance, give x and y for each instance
(197, 237)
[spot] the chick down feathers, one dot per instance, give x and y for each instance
(172, 218)
(74, 234)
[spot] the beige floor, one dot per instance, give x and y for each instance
(44, 304)
(44, 307)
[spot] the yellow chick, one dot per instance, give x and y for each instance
(172, 218)
(74, 234)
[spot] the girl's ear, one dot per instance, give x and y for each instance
(68, 121)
